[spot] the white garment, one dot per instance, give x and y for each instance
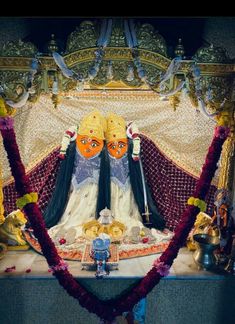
(124, 207)
(80, 209)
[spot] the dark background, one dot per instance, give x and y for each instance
(190, 29)
(194, 31)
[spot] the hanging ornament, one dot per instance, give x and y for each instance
(55, 89)
(141, 73)
(33, 71)
(109, 74)
(130, 76)
(208, 94)
(94, 71)
(55, 93)
(80, 86)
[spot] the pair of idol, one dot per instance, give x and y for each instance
(99, 170)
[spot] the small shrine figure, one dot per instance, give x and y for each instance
(106, 216)
(224, 221)
(202, 225)
(11, 231)
(100, 253)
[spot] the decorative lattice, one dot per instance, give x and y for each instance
(171, 186)
(42, 179)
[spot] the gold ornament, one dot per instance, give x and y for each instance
(93, 125)
(116, 127)
(10, 230)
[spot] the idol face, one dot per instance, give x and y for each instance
(117, 148)
(89, 146)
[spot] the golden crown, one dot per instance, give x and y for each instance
(116, 127)
(93, 124)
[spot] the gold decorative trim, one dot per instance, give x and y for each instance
(209, 68)
(142, 94)
(116, 53)
(226, 166)
(80, 57)
(15, 63)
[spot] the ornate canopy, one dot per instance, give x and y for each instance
(216, 74)
(217, 70)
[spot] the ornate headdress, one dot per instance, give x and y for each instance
(116, 127)
(93, 124)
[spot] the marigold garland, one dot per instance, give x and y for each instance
(32, 197)
(109, 309)
(201, 204)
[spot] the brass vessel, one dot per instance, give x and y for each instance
(204, 254)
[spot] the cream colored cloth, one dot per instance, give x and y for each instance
(183, 135)
(80, 209)
(124, 207)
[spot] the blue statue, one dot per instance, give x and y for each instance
(100, 253)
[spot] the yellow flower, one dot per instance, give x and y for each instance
(196, 202)
(27, 199)
(202, 205)
(3, 110)
(191, 201)
(223, 118)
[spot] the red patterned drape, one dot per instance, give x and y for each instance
(171, 186)
(42, 180)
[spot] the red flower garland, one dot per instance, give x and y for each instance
(109, 309)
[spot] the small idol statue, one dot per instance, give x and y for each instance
(222, 217)
(100, 253)
(106, 217)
